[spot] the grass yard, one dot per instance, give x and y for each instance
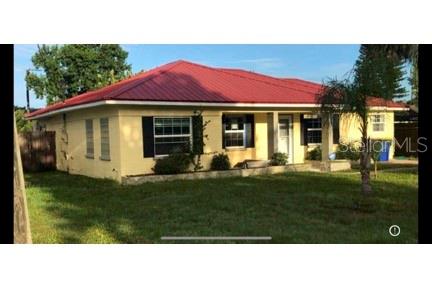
(299, 207)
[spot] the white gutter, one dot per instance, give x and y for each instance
(182, 104)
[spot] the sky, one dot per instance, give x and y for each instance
(308, 62)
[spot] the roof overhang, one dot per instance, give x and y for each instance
(188, 104)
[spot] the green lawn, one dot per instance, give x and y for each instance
(291, 208)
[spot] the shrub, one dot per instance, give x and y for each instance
(279, 159)
(314, 154)
(172, 164)
(220, 162)
(350, 151)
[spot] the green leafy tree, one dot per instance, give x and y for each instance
(23, 125)
(379, 74)
(69, 70)
(414, 83)
(409, 54)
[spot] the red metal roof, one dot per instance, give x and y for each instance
(183, 81)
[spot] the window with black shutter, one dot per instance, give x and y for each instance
(250, 130)
(148, 137)
(172, 135)
(238, 131)
(311, 129)
(335, 125)
(303, 138)
(197, 134)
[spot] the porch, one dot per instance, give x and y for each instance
(291, 132)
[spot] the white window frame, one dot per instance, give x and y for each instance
(313, 116)
(170, 136)
(243, 131)
(380, 123)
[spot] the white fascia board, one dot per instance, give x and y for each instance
(202, 104)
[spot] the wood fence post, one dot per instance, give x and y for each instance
(21, 219)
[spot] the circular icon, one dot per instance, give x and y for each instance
(394, 230)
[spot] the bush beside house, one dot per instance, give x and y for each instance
(279, 159)
(220, 162)
(314, 154)
(172, 164)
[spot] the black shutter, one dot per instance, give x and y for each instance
(223, 130)
(303, 128)
(335, 122)
(250, 130)
(148, 137)
(197, 134)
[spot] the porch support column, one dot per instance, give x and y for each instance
(275, 132)
(326, 139)
(272, 133)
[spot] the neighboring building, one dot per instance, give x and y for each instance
(406, 132)
(121, 129)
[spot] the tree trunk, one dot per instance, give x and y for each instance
(21, 219)
(365, 161)
(376, 168)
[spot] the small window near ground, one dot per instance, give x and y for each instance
(378, 121)
(172, 135)
(104, 135)
(89, 138)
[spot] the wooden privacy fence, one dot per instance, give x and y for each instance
(407, 132)
(38, 151)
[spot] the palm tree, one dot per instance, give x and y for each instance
(347, 98)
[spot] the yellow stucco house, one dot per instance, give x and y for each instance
(120, 130)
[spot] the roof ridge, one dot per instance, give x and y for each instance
(262, 81)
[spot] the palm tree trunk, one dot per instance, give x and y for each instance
(365, 162)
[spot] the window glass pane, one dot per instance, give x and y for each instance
(185, 130)
(167, 130)
(166, 141)
(168, 145)
(234, 123)
(234, 139)
(314, 136)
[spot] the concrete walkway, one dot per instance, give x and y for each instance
(402, 161)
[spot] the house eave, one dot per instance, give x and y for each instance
(200, 104)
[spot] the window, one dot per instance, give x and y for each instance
(172, 135)
(313, 129)
(104, 138)
(89, 138)
(234, 131)
(378, 122)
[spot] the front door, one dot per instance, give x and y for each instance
(285, 141)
